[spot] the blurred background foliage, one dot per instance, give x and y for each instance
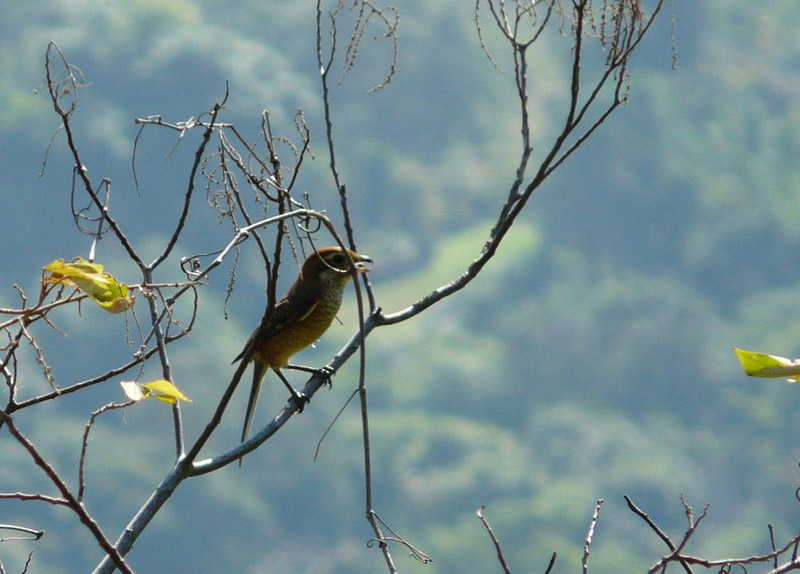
(592, 358)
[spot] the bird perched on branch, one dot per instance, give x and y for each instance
(299, 318)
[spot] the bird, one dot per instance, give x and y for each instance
(299, 318)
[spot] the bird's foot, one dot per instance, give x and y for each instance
(325, 372)
(300, 399)
(327, 375)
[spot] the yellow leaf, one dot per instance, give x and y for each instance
(100, 287)
(165, 391)
(160, 390)
(761, 365)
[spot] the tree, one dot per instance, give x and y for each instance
(244, 177)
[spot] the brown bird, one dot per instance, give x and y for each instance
(299, 318)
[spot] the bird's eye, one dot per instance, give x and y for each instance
(338, 259)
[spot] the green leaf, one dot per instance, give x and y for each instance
(771, 366)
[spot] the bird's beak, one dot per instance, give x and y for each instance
(364, 263)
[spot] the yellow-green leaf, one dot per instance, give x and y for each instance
(100, 287)
(160, 390)
(762, 365)
(165, 391)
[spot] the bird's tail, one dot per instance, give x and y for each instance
(259, 370)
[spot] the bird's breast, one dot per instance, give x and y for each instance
(277, 351)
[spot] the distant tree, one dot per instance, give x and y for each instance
(247, 178)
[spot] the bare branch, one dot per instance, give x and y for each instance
(85, 441)
(496, 542)
(38, 497)
(576, 114)
(198, 158)
(186, 465)
(90, 382)
(619, 25)
(376, 523)
(33, 534)
(654, 527)
(677, 555)
(551, 564)
(69, 500)
(590, 536)
(68, 87)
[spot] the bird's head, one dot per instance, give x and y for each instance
(332, 262)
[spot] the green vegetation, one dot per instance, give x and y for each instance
(592, 359)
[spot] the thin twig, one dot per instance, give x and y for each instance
(85, 441)
(198, 158)
(33, 533)
(75, 505)
(654, 527)
(38, 497)
(90, 382)
(56, 93)
(551, 564)
(333, 422)
(590, 536)
(496, 542)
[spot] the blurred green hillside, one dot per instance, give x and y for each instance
(591, 359)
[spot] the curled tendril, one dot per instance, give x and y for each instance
(191, 265)
(414, 553)
(310, 225)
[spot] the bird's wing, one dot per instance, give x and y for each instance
(295, 306)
